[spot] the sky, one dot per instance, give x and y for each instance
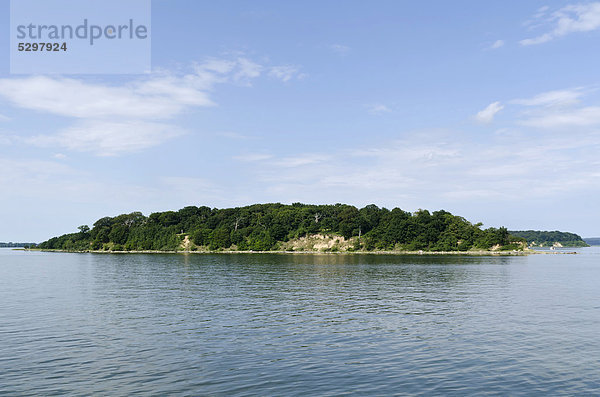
(489, 110)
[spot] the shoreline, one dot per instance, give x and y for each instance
(440, 253)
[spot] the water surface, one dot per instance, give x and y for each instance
(95, 324)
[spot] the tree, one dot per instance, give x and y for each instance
(119, 234)
(348, 221)
(264, 226)
(220, 238)
(201, 237)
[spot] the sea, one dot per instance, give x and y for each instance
(299, 324)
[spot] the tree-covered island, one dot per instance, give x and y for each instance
(16, 245)
(537, 238)
(279, 227)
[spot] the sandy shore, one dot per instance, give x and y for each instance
(468, 253)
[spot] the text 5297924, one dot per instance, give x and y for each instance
(47, 47)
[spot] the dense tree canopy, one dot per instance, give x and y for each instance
(592, 240)
(264, 227)
(16, 245)
(542, 238)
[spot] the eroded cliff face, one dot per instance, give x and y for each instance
(555, 244)
(186, 244)
(319, 242)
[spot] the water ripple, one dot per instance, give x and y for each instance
(325, 325)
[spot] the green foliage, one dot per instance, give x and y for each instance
(592, 241)
(220, 238)
(544, 238)
(201, 237)
(511, 247)
(262, 227)
(84, 229)
(18, 245)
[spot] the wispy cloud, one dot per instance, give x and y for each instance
(56, 181)
(29, 177)
(302, 160)
(487, 115)
(156, 98)
(497, 44)
(559, 109)
(340, 49)
(234, 135)
(247, 70)
(118, 119)
(433, 169)
(564, 118)
(162, 95)
(377, 109)
(552, 98)
(285, 73)
(105, 138)
(572, 18)
(253, 157)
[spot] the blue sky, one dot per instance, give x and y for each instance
(486, 109)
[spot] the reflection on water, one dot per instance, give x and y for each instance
(298, 324)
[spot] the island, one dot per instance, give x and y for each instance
(555, 239)
(17, 245)
(290, 228)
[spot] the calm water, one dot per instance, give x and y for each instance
(84, 324)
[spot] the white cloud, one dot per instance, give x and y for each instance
(552, 98)
(285, 73)
(253, 157)
(537, 40)
(105, 138)
(431, 170)
(31, 174)
(497, 44)
(541, 12)
(377, 109)
(247, 70)
(439, 169)
(162, 95)
(221, 66)
(285, 162)
(340, 49)
(234, 135)
(119, 119)
(487, 114)
(579, 117)
(559, 109)
(305, 159)
(54, 180)
(158, 97)
(569, 19)
(473, 194)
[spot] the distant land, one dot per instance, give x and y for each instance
(537, 238)
(17, 245)
(592, 240)
(278, 227)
